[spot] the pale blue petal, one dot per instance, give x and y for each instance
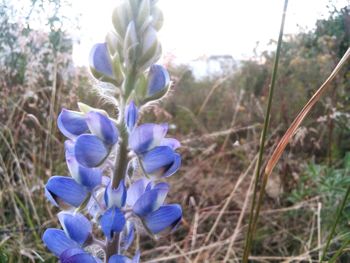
(112, 221)
(76, 226)
(135, 191)
(62, 190)
(115, 197)
(166, 217)
(90, 151)
(57, 241)
(170, 142)
(147, 136)
(71, 123)
(101, 126)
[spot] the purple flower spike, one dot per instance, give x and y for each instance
(112, 221)
(147, 136)
(57, 241)
(166, 217)
(65, 191)
(100, 61)
(71, 123)
(131, 115)
(76, 255)
(158, 80)
(90, 151)
(115, 197)
(76, 226)
(101, 126)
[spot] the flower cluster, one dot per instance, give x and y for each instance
(117, 166)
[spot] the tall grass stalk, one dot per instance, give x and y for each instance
(250, 233)
(276, 155)
(336, 222)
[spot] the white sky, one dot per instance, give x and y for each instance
(193, 28)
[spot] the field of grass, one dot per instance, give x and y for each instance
(218, 121)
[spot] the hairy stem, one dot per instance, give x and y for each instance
(251, 229)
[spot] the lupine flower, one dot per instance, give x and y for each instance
(157, 153)
(90, 149)
(76, 234)
(97, 155)
(146, 200)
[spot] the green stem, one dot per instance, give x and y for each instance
(121, 164)
(340, 210)
(250, 233)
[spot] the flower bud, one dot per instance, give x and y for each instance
(157, 18)
(144, 12)
(150, 46)
(131, 115)
(101, 64)
(158, 82)
(130, 45)
(121, 17)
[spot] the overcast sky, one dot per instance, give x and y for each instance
(193, 28)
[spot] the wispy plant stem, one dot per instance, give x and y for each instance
(251, 230)
(339, 212)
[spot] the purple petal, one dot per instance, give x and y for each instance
(89, 177)
(127, 235)
(62, 190)
(158, 80)
(166, 217)
(119, 259)
(150, 201)
(131, 115)
(174, 167)
(100, 60)
(57, 241)
(101, 126)
(135, 191)
(112, 221)
(71, 123)
(77, 255)
(147, 136)
(90, 151)
(76, 226)
(158, 160)
(115, 197)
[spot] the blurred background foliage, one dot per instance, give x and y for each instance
(218, 119)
